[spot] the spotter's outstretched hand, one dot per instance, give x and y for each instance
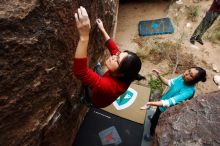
(157, 72)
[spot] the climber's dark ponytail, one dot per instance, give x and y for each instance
(140, 77)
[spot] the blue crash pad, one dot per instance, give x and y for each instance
(155, 27)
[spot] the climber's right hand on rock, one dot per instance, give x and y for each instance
(83, 23)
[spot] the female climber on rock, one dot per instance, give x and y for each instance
(123, 67)
(180, 89)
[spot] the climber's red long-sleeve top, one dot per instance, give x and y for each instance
(105, 89)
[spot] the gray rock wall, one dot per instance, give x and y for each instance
(39, 95)
(193, 123)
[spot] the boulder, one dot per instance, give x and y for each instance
(195, 122)
(39, 95)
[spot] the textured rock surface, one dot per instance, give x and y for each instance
(193, 123)
(39, 96)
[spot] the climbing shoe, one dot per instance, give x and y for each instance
(192, 40)
(197, 39)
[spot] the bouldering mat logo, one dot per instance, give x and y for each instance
(110, 136)
(126, 99)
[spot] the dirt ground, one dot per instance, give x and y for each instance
(165, 51)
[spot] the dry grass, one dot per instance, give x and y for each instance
(193, 13)
(143, 44)
(162, 50)
(158, 50)
(142, 53)
(213, 34)
(186, 61)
